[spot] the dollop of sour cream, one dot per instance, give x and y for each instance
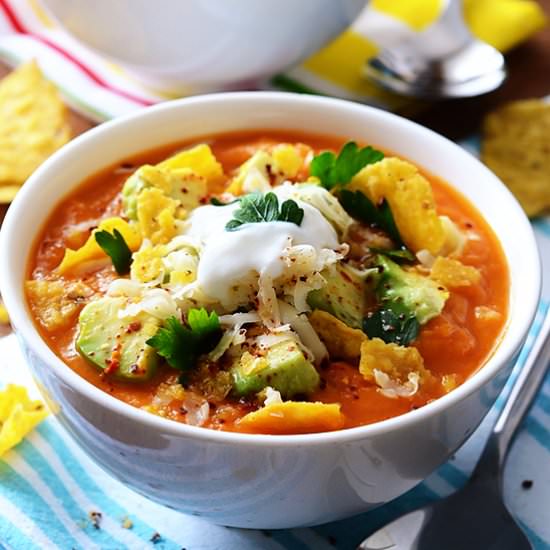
(228, 258)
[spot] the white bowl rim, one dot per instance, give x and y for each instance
(25, 328)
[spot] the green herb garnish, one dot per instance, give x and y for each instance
(393, 322)
(116, 248)
(335, 170)
(217, 202)
(400, 256)
(256, 208)
(358, 206)
(181, 345)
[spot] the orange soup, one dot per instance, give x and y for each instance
(269, 282)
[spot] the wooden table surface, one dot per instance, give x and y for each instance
(529, 76)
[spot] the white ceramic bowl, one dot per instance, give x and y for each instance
(266, 481)
(206, 44)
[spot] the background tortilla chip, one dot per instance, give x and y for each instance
(8, 192)
(33, 124)
(516, 148)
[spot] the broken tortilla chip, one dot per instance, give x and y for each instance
(156, 215)
(397, 362)
(4, 317)
(515, 147)
(293, 417)
(18, 416)
(410, 197)
(198, 159)
(453, 274)
(342, 342)
(8, 192)
(56, 303)
(33, 124)
(90, 250)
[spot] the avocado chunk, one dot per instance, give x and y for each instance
(115, 345)
(284, 368)
(344, 295)
(418, 294)
(406, 300)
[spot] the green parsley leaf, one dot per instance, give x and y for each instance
(291, 212)
(360, 207)
(116, 248)
(203, 323)
(257, 208)
(392, 323)
(182, 345)
(335, 170)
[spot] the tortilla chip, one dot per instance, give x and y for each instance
(18, 416)
(395, 361)
(515, 147)
(411, 200)
(191, 186)
(147, 263)
(342, 342)
(287, 160)
(8, 192)
(156, 215)
(4, 317)
(199, 160)
(453, 274)
(293, 417)
(33, 124)
(449, 382)
(56, 303)
(90, 250)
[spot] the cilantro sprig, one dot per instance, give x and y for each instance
(116, 248)
(181, 345)
(257, 208)
(335, 170)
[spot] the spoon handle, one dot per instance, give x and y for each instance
(518, 403)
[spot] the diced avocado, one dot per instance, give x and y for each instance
(284, 367)
(344, 295)
(117, 345)
(130, 191)
(418, 294)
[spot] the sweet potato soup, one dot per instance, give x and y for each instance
(269, 283)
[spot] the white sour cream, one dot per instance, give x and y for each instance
(231, 259)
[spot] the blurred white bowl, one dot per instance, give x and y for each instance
(204, 44)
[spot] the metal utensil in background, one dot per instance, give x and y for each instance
(444, 61)
(475, 517)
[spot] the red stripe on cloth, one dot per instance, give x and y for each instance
(11, 17)
(20, 28)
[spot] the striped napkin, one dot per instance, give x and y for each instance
(53, 496)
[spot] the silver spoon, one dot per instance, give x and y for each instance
(475, 517)
(443, 61)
